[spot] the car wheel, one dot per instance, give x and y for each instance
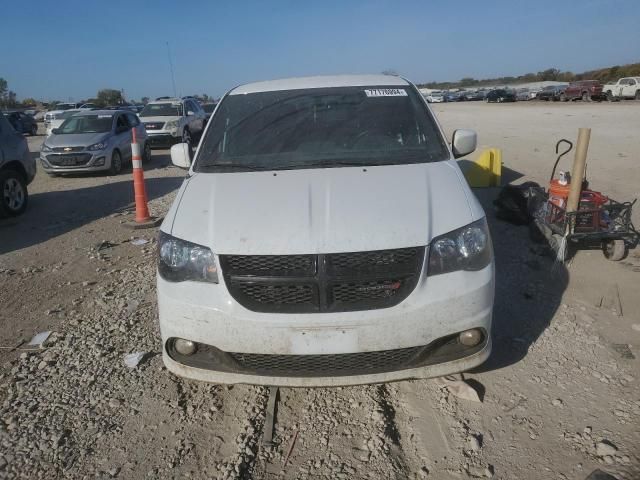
(614, 250)
(186, 138)
(586, 97)
(13, 193)
(116, 163)
(146, 154)
(34, 129)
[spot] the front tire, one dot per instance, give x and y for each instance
(116, 163)
(614, 250)
(146, 154)
(186, 138)
(13, 194)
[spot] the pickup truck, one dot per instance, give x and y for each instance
(585, 90)
(628, 87)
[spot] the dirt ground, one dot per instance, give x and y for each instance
(560, 394)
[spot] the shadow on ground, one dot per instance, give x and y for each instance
(51, 214)
(529, 288)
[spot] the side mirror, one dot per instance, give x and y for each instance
(463, 142)
(55, 131)
(181, 155)
(190, 113)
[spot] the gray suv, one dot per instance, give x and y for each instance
(17, 170)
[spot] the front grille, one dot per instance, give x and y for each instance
(154, 125)
(322, 283)
(68, 149)
(329, 365)
(271, 265)
(69, 160)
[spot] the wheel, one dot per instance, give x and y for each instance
(13, 193)
(586, 97)
(186, 138)
(116, 163)
(563, 97)
(614, 250)
(146, 154)
(34, 130)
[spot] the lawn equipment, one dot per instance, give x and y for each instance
(598, 221)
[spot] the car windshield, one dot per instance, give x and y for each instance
(86, 124)
(168, 109)
(320, 128)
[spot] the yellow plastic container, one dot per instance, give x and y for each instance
(485, 171)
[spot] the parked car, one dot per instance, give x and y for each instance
(173, 120)
(500, 95)
(208, 110)
(551, 93)
(93, 141)
(59, 120)
(522, 95)
(436, 96)
(475, 96)
(451, 97)
(628, 87)
(88, 106)
(585, 90)
(23, 123)
(17, 170)
(308, 245)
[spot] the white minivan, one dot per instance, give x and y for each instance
(324, 236)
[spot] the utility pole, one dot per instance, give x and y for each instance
(173, 78)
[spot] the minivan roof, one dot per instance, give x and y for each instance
(325, 81)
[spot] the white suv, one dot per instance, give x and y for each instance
(325, 235)
(173, 120)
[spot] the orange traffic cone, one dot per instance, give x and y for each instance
(143, 218)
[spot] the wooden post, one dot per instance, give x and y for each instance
(577, 172)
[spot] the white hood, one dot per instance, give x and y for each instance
(329, 210)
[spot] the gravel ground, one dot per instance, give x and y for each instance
(560, 395)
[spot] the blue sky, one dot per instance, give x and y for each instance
(71, 48)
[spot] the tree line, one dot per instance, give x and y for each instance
(106, 97)
(604, 75)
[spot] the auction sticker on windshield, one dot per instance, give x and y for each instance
(385, 92)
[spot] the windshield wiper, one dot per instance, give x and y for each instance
(234, 167)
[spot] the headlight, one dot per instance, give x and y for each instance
(98, 146)
(179, 261)
(468, 248)
(171, 125)
(46, 148)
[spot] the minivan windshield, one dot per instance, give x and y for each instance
(86, 124)
(320, 128)
(168, 109)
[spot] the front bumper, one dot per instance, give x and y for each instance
(96, 162)
(161, 139)
(439, 306)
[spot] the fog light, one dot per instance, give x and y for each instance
(471, 338)
(99, 162)
(185, 347)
